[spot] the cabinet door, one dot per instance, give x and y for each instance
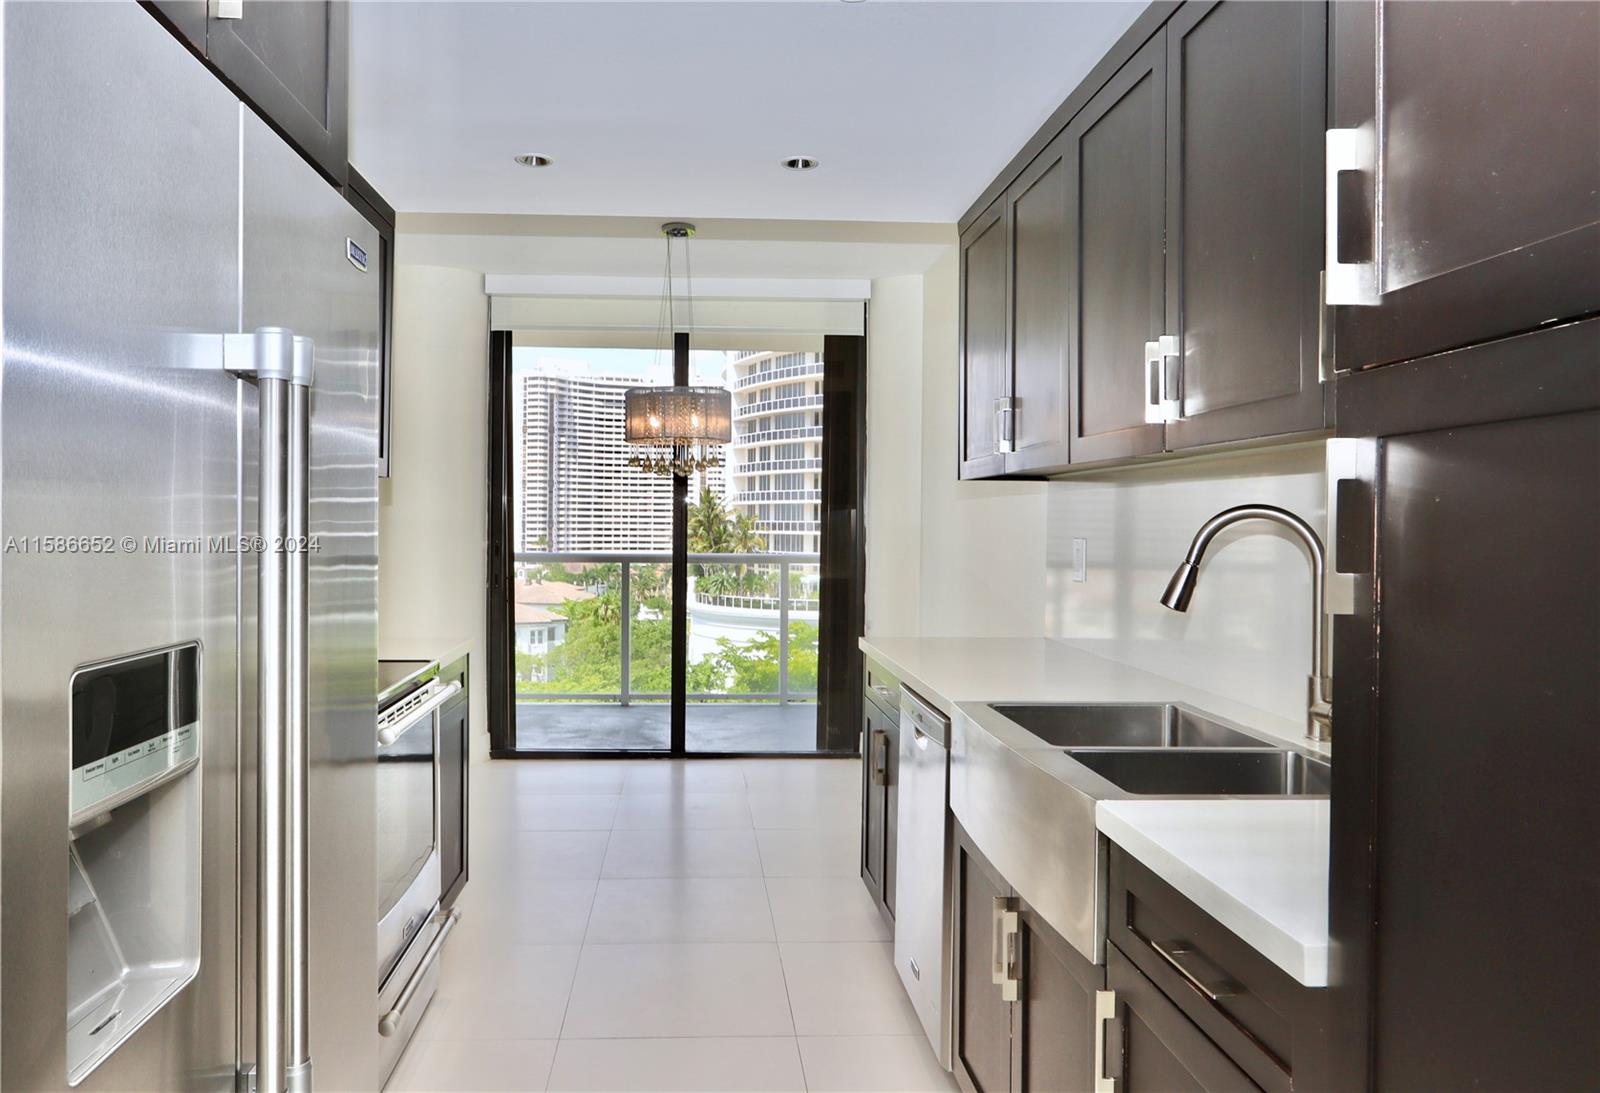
(290, 60)
(1245, 118)
(891, 807)
(872, 797)
(1039, 304)
(1055, 1033)
(1115, 221)
(185, 18)
(1479, 119)
(1161, 1049)
(1487, 512)
(985, 343)
(981, 1056)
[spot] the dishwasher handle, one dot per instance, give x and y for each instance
(923, 719)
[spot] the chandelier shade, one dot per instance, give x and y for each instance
(678, 416)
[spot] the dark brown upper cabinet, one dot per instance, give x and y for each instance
(1473, 129)
(289, 59)
(1036, 217)
(985, 343)
(1116, 152)
(1014, 326)
(1160, 286)
(1245, 107)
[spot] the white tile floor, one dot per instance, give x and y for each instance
(655, 925)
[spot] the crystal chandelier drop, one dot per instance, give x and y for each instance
(678, 427)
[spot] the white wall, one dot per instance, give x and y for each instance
(432, 518)
(982, 543)
(1247, 633)
(893, 502)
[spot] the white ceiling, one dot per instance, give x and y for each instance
(684, 109)
(567, 256)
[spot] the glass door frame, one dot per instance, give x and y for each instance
(841, 563)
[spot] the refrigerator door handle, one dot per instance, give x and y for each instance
(282, 367)
(297, 708)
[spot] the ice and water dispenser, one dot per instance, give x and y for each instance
(133, 902)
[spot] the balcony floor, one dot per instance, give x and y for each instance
(712, 727)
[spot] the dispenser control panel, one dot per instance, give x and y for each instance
(135, 723)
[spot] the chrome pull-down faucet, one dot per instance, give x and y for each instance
(1180, 589)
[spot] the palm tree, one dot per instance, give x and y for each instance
(709, 528)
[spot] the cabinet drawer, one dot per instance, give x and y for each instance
(882, 687)
(1266, 1022)
(1154, 1048)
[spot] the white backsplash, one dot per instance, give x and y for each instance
(1247, 634)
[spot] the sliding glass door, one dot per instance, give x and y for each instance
(594, 649)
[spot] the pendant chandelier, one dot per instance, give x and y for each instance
(678, 428)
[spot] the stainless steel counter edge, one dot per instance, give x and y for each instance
(1028, 806)
(1031, 810)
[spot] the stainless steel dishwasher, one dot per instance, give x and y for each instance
(922, 903)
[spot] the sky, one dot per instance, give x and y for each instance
(650, 366)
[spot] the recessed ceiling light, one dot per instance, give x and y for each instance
(800, 163)
(532, 159)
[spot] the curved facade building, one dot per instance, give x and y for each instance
(775, 462)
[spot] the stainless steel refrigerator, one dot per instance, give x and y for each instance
(164, 679)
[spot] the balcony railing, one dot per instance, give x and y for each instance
(766, 436)
(769, 375)
(754, 497)
(783, 601)
(763, 466)
(774, 405)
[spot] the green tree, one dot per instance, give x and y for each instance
(710, 526)
(751, 667)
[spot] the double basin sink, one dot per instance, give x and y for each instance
(1025, 780)
(1167, 750)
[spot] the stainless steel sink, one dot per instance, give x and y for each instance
(1260, 773)
(1025, 779)
(1125, 725)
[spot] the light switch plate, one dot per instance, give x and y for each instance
(1080, 559)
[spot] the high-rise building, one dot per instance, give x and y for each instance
(578, 491)
(775, 467)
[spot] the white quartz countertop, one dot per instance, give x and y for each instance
(948, 671)
(1258, 867)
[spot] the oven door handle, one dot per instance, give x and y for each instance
(389, 734)
(389, 1023)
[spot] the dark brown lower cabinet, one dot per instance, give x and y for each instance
(1154, 1047)
(880, 801)
(1055, 1028)
(1464, 879)
(1024, 998)
(981, 1052)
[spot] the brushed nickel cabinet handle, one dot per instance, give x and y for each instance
(1172, 952)
(1105, 1011)
(1152, 383)
(1346, 282)
(1003, 951)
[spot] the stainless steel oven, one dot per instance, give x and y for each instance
(411, 926)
